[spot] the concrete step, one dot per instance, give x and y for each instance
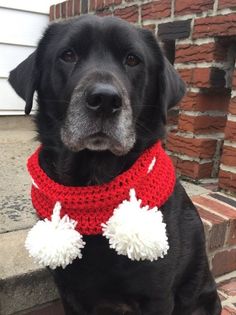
(23, 284)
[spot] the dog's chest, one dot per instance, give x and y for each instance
(103, 272)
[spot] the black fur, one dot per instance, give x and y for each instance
(103, 283)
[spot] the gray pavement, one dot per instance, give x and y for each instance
(23, 284)
(16, 144)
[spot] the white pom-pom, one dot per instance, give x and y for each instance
(55, 243)
(137, 232)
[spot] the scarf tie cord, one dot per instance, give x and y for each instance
(125, 211)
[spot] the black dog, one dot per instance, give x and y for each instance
(104, 89)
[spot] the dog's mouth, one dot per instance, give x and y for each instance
(116, 135)
(98, 141)
(101, 142)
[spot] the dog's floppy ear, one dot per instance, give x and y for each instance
(170, 81)
(174, 86)
(24, 80)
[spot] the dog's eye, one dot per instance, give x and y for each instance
(69, 56)
(132, 60)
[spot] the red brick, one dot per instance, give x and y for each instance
(209, 77)
(52, 13)
(224, 262)
(218, 207)
(156, 9)
(226, 4)
(63, 9)
(100, 4)
(201, 148)
(108, 2)
(221, 209)
(202, 77)
(76, 7)
(70, 8)
(217, 232)
(232, 106)
(192, 6)
(204, 170)
(192, 169)
(201, 124)
(228, 311)
(227, 180)
(213, 218)
(230, 130)
(58, 11)
(186, 75)
(92, 5)
(223, 25)
(129, 14)
(200, 53)
(207, 101)
(229, 156)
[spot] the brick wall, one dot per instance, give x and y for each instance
(200, 37)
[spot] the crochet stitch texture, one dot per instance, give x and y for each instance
(152, 176)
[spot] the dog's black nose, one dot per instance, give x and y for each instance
(103, 98)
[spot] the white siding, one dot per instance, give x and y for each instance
(21, 26)
(41, 6)
(9, 100)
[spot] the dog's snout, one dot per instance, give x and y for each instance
(103, 98)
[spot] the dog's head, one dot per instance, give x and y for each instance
(101, 83)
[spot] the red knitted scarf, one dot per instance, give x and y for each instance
(152, 176)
